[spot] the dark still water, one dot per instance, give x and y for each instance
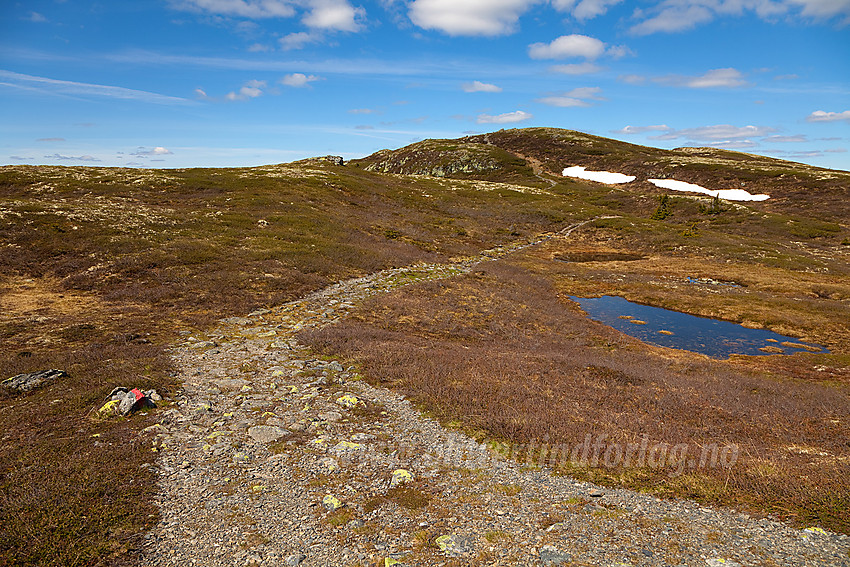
(673, 329)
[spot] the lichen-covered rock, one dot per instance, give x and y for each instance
(350, 401)
(454, 545)
(346, 447)
(400, 476)
(331, 502)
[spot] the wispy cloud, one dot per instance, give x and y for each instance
(56, 86)
(823, 116)
(479, 87)
(255, 9)
(297, 40)
(718, 133)
(50, 140)
(671, 16)
(716, 78)
(580, 97)
(585, 68)
(629, 130)
(506, 118)
(61, 157)
(299, 80)
(36, 18)
(786, 139)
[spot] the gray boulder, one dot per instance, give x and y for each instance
(33, 380)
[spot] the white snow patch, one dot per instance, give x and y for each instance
(600, 176)
(728, 194)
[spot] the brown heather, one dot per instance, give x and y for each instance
(100, 268)
(498, 352)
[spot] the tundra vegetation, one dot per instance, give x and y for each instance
(103, 268)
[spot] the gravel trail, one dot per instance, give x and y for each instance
(270, 457)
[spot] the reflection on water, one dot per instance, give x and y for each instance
(663, 327)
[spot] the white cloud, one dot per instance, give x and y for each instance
(718, 132)
(469, 17)
(298, 80)
(628, 130)
(362, 111)
(297, 40)
(716, 78)
(51, 140)
(334, 15)
(506, 118)
(479, 87)
(584, 9)
(251, 89)
(566, 46)
(579, 97)
(55, 86)
(157, 151)
(256, 9)
(822, 9)
(35, 17)
(822, 116)
(585, 68)
(588, 9)
(201, 93)
(258, 48)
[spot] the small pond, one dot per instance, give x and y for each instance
(715, 338)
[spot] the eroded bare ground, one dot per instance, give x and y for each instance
(274, 457)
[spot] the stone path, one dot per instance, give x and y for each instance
(271, 457)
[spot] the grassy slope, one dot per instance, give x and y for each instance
(102, 267)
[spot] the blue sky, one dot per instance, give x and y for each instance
(177, 83)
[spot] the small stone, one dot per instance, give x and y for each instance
(329, 464)
(297, 427)
(330, 416)
(266, 433)
(551, 555)
(335, 367)
(294, 560)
